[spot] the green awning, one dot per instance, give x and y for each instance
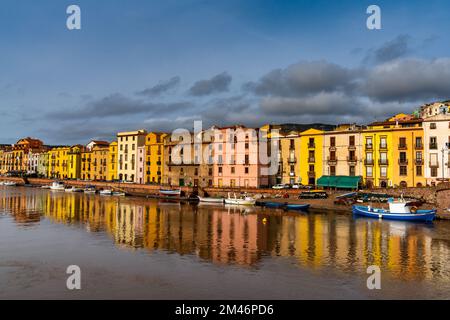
(343, 182)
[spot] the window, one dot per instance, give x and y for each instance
(351, 140)
(419, 171)
(403, 170)
(433, 143)
(383, 142)
(383, 172)
(369, 172)
(232, 170)
(220, 170)
(434, 172)
(246, 170)
(352, 171)
(332, 141)
(332, 170)
(432, 125)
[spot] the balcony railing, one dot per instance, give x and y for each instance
(418, 162)
(418, 146)
(352, 159)
(312, 159)
(311, 174)
(292, 159)
(402, 146)
(403, 162)
(332, 148)
(433, 146)
(383, 146)
(368, 162)
(383, 162)
(332, 160)
(352, 147)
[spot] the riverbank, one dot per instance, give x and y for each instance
(435, 197)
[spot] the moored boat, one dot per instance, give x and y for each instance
(106, 192)
(90, 190)
(399, 210)
(119, 194)
(211, 199)
(274, 205)
(57, 186)
(73, 189)
(244, 200)
(170, 192)
(10, 184)
(301, 207)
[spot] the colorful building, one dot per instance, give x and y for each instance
(94, 162)
(128, 143)
(311, 156)
(154, 154)
(112, 162)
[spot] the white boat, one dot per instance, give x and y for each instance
(10, 184)
(118, 194)
(90, 190)
(244, 200)
(45, 187)
(57, 186)
(210, 199)
(106, 192)
(170, 192)
(73, 189)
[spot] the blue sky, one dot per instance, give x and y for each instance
(160, 65)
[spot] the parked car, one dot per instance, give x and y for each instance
(313, 194)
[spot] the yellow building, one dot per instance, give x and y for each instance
(154, 157)
(94, 163)
(393, 153)
(289, 170)
(74, 162)
(112, 161)
(311, 156)
(57, 168)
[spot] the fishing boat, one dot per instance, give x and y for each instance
(243, 200)
(398, 210)
(106, 192)
(170, 192)
(210, 199)
(73, 189)
(9, 184)
(90, 190)
(57, 186)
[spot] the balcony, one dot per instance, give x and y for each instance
(352, 160)
(418, 162)
(332, 148)
(311, 159)
(352, 147)
(418, 146)
(332, 161)
(311, 174)
(311, 145)
(383, 162)
(368, 162)
(402, 146)
(403, 162)
(433, 146)
(383, 146)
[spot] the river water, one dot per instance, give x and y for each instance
(134, 248)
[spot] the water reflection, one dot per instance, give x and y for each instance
(233, 235)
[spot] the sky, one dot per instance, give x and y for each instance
(161, 65)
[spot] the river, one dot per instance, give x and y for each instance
(135, 248)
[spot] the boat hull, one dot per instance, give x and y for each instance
(301, 207)
(241, 202)
(420, 215)
(170, 192)
(211, 200)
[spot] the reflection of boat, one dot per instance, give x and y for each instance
(58, 186)
(118, 194)
(244, 200)
(106, 192)
(169, 192)
(399, 210)
(73, 189)
(210, 199)
(45, 187)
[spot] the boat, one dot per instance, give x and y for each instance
(244, 200)
(106, 192)
(57, 186)
(10, 184)
(313, 194)
(73, 189)
(90, 189)
(210, 199)
(119, 194)
(170, 192)
(274, 205)
(45, 187)
(398, 210)
(301, 207)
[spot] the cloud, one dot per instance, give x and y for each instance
(409, 80)
(217, 84)
(116, 105)
(303, 79)
(161, 87)
(391, 50)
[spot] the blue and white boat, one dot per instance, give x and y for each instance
(398, 210)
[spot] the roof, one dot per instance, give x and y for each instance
(343, 182)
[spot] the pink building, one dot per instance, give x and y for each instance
(140, 163)
(236, 158)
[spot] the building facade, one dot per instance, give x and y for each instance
(128, 143)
